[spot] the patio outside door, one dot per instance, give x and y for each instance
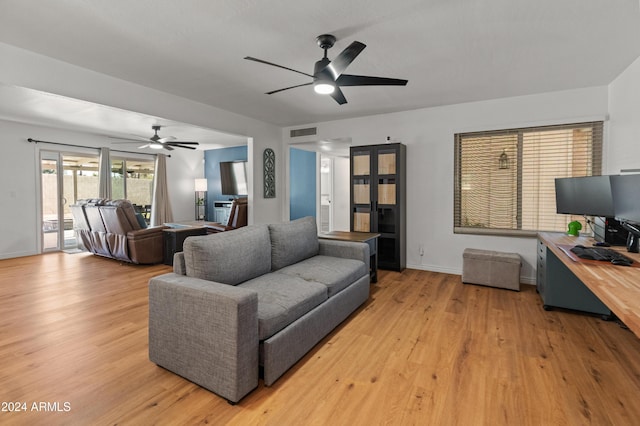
(64, 178)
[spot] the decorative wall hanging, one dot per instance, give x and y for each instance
(269, 160)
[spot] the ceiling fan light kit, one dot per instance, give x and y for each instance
(328, 75)
(323, 88)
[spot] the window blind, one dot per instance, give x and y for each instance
(505, 179)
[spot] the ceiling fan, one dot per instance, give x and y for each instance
(156, 142)
(328, 75)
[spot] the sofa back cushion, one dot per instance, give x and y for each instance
(128, 212)
(293, 241)
(230, 257)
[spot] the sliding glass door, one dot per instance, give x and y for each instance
(64, 178)
(51, 185)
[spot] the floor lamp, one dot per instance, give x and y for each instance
(201, 199)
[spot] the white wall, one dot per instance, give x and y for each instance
(624, 124)
(428, 134)
(18, 214)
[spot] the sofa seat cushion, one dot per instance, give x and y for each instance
(334, 272)
(282, 299)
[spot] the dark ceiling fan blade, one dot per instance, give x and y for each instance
(276, 65)
(363, 80)
(339, 96)
(167, 147)
(342, 61)
(181, 142)
(287, 88)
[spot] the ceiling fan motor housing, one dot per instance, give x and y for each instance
(320, 70)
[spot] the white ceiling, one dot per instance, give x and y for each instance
(30, 106)
(451, 51)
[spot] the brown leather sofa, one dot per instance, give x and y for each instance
(110, 228)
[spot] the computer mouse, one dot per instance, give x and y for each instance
(621, 262)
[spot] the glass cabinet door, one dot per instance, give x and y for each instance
(361, 190)
(386, 176)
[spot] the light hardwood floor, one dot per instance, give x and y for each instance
(424, 350)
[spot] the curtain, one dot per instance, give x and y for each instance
(104, 173)
(160, 206)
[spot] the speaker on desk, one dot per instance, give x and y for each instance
(610, 231)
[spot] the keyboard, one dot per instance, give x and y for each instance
(599, 253)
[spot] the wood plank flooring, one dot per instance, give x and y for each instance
(424, 350)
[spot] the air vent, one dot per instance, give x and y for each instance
(303, 132)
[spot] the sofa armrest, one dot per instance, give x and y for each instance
(346, 249)
(146, 232)
(214, 227)
(206, 332)
(179, 265)
(146, 246)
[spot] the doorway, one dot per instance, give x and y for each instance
(318, 178)
(334, 193)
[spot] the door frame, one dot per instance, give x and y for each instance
(47, 155)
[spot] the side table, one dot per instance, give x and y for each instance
(173, 239)
(370, 238)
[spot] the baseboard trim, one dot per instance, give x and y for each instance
(17, 254)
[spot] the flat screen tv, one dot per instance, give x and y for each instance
(626, 198)
(585, 196)
(233, 178)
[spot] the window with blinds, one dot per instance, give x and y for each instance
(505, 180)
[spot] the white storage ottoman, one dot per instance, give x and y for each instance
(491, 268)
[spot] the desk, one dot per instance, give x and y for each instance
(369, 238)
(617, 288)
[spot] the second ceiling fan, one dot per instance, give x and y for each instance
(156, 142)
(328, 74)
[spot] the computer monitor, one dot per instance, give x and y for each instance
(588, 196)
(626, 204)
(626, 197)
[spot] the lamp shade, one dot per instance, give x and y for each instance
(201, 185)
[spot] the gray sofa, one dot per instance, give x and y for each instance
(256, 298)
